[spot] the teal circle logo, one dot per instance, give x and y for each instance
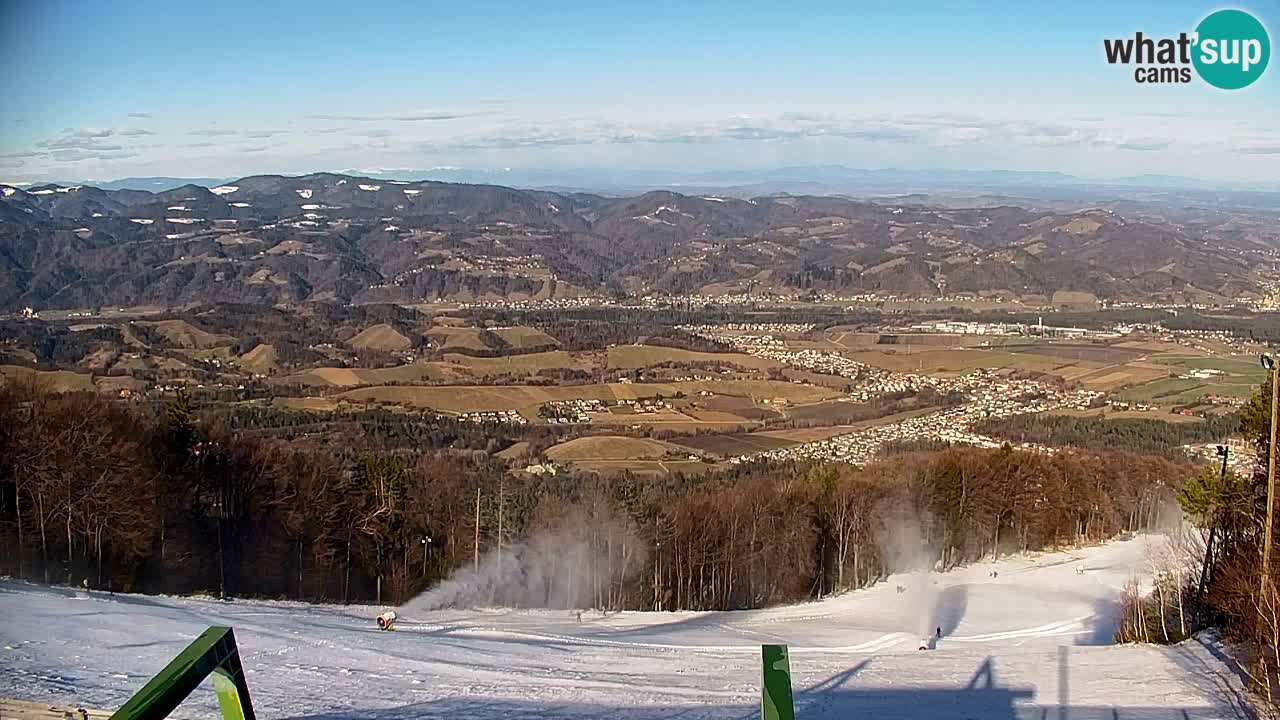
(1232, 49)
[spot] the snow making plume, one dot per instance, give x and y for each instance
(902, 544)
(574, 565)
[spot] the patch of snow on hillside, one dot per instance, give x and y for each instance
(412, 192)
(80, 230)
(552, 207)
(9, 191)
(310, 207)
(390, 228)
(224, 189)
(141, 221)
(73, 188)
(183, 208)
(184, 221)
(42, 192)
(313, 216)
(713, 199)
(238, 204)
(96, 215)
(304, 193)
(370, 188)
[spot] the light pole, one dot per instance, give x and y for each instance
(426, 545)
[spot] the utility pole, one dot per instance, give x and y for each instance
(477, 541)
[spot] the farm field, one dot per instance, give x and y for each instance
(472, 398)
(642, 356)
(522, 338)
(609, 447)
(54, 380)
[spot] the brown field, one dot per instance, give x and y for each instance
(1109, 354)
(735, 444)
(52, 380)
(261, 360)
(529, 364)
(1111, 378)
(1152, 346)
(716, 416)
(641, 356)
(1075, 298)
(312, 404)
(464, 338)
(184, 334)
(832, 410)
(521, 337)
(470, 398)
(381, 337)
(954, 362)
(515, 452)
(609, 447)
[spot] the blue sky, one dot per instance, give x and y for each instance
(105, 90)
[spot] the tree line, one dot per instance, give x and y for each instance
(167, 499)
(1146, 435)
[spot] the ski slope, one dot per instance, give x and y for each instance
(1033, 642)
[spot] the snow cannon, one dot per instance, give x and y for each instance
(387, 620)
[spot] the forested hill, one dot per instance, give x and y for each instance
(174, 500)
(274, 239)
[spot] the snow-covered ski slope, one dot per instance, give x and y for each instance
(1032, 642)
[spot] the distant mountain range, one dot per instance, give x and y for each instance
(827, 179)
(346, 238)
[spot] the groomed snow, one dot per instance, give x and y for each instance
(1039, 628)
(224, 189)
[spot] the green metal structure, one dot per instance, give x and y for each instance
(775, 684)
(214, 652)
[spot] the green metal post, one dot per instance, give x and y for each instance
(775, 686)
(214, 652)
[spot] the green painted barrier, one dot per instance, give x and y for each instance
(214, 652)
(775, 684)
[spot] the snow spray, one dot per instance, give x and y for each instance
(569, 566)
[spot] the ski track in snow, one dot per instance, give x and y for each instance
(852, 656)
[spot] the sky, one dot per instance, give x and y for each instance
(230, 88)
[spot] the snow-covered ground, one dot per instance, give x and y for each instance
(1032, 642)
